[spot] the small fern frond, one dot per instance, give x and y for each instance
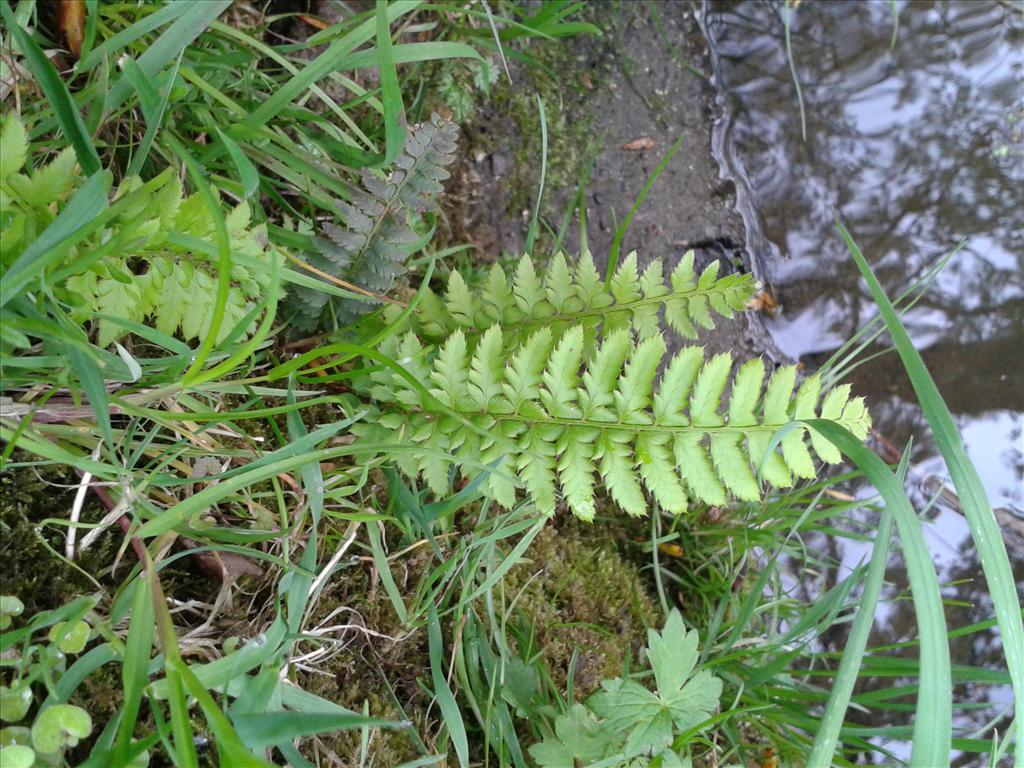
(553, 418)
(566, 296)
(169, 285)
(372, 239)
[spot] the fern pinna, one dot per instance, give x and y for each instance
(375, 236)
(552, 414)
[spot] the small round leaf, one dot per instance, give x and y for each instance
(15, 734)
(62, 725)
(9, 606)
(72, 641)
(14, 702)
(17, 756)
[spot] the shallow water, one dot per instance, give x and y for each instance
(918, 145)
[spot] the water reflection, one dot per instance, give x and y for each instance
(918, 147)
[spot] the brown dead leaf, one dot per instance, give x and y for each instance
(313, 21)
(236, 565)
(586, 81)
(223, 567)
(763, 302)
(71, 21)
(883, 446)
(640, 144)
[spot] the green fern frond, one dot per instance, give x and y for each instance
(168, 285)
(558, 422)
(373, 237)
(566, 296)
(145, 276)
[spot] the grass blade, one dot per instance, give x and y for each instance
(324, 64)
(788, 11)
(532, 233)
(264, 729)
(508, 561)
(143, 26)
(613, 254)
(181, 722)
(380, 561)
(985, 530)
(246, 170)
(68, 116)
(933, 721)
(849, 667)
(186, 28)
(92, 382)
(155, 117)
(134, 667)
(230, 748)
(391, 92)
(412, 53)
(91, 12)
(445, 698)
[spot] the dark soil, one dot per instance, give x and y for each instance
(645, 77)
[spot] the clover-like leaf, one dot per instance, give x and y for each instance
(697, 701)
(70, 640)
(17, 756)
(59, 726)
(650, 721)
(10, 606)
(521, 684)
(14, 703)
(624, 703)
(650, 736)
(670, 759)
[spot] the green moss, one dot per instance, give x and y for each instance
(365, 665)
(587, 600)
(571, 141)
(29, 495)
(574, 595)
